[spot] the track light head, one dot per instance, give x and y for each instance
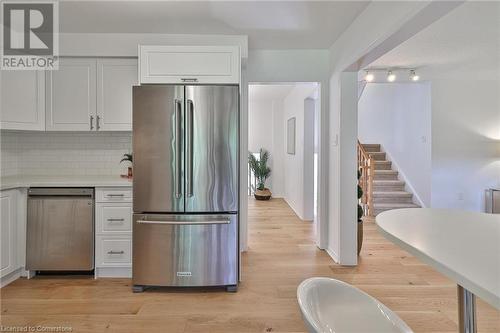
(369, 77)
(414, 76)
(391, 77)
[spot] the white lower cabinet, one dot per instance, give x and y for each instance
(113, 232)
(12, 235)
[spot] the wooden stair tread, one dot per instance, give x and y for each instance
(387, 181)
(395, 205)
(392, 194)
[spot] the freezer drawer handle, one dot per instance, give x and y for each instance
(116, 252)
(115, 195)
(173, 222)
(116, 220)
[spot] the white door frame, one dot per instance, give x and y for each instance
(321, 223)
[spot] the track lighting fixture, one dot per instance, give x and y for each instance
(391, 77)
(414, 76)
(369, 77)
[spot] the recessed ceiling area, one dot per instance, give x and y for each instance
(268, 24)
(467, 38)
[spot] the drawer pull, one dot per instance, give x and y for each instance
(174, 222)
(115, 195)
(116, 252)
(115, 220)
(189, 79)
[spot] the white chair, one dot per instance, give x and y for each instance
(333, 306)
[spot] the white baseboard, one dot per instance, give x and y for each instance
(11, 277)
(113, 272)
(332, 254)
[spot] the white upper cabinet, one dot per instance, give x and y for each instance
(71, 96)
(115, 78)
(22, 100)
(189, 64)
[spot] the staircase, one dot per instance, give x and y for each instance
(388, 191)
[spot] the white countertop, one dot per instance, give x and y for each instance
(63, 181)
(464, 246)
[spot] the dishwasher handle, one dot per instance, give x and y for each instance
(61, 191)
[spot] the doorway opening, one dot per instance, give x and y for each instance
(283, 121)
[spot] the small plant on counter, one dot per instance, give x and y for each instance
(128, 158)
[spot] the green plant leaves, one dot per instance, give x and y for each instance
(259, 167)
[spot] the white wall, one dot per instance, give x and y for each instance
(65, 153)
(265, 130)
(308, 173)
(299, 66)
(398, 116)
(466, 140)
(294, 105)
(367, 38)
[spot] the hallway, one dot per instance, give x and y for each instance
(281, 254)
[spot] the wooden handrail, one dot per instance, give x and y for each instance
(366, 165)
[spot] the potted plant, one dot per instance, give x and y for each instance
(360, 216)
(129, 158)
(261, 171)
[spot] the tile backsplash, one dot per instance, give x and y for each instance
(63, 153)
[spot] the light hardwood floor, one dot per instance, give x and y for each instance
(281, 254)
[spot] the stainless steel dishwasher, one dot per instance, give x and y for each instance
(60, 230)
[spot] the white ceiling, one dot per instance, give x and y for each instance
(468, 39)
(268, 92)
(268, 24)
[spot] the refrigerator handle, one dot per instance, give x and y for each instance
(178, 148)
(189, 148)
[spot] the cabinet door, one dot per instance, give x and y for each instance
(189, 64)
(22, 100)
(8, 233)
(115, 78)
(71, 96)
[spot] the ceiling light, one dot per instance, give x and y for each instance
(391, 77)
(414, 76)
(369, 77)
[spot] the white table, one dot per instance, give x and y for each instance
(464, 246)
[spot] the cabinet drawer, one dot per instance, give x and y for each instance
(113, 217)
(113, 251)
(114, 194)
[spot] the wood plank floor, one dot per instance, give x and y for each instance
(281, 254)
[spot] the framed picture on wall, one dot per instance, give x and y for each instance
(290, 136)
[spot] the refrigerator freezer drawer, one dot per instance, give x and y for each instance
(185, 250)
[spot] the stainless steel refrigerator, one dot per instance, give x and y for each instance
(185, 186)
